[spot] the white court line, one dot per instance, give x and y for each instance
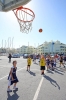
(8, 67)
(7, 75)
(5, 67)
(17, 71)
(38, 89)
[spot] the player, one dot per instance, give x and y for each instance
(28, 63)
(65, 60)
(52, 63)
(48, 62)
(61, 61)
(39, 59)
(12, 78)
(34, 58)
(42, 64)
(9, 58)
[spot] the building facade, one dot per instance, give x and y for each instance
(52, 47)
(26, 50)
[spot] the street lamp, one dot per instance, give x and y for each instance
(8, 43)
(2, 43)
(12, 42)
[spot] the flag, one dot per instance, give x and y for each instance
(53, 43)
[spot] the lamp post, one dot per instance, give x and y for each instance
(12, 42)
(28, 47)
(5, 44)
(8, 43)
(2, 43)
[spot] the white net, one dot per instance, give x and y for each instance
(25, 27)
(25, 18)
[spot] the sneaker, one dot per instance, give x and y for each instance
(52, 69)
(29, 70)
(42, 73)
(14, 88)
(9, 90)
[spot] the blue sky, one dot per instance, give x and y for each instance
(50, 15)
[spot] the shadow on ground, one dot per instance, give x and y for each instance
(12, 97)
(57, 71)
(32, 73)
(36, 63)
(49, 71)
(53, 82)
(60, 70)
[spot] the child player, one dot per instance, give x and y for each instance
(28, 63)
(52, 63)
(42, 64)
(48, 62)
(12, 78)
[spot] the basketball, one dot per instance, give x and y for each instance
(40, 30)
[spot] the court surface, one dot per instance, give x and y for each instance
(33, 86)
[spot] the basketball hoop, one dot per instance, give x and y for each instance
(25, 17)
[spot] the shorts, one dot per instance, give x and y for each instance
(10, 81)
(54, 65)
(28, 65)
(42, 67)
(61, 62)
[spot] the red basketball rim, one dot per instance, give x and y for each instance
(20, 8)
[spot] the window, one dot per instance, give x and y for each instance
(62, 47)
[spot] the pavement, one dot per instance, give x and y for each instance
(33, 86)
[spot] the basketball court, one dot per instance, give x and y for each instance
(32, 85)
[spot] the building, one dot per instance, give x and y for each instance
(26, 50)
(2, 50)
(51, 47)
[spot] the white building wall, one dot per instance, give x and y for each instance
(47, 47)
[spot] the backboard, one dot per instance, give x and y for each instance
(7, 5)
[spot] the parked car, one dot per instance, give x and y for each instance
(25, 56)
(52, 55)
(31, 56)
(15, 56)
